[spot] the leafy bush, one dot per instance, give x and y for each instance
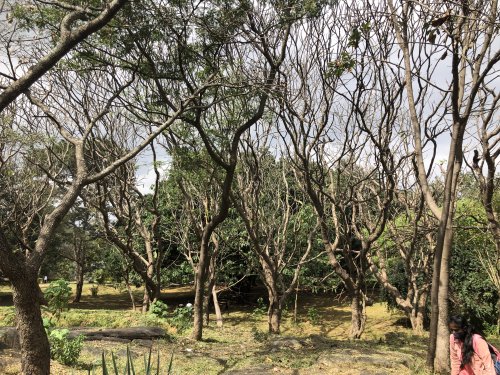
(313, 315)
(159, 309)
(64, 349)
(57, 295)
(259, 336)
(99, 276)
(182, 318)
(261, 308)
(7, 316)
(472, 292)
(94, 289)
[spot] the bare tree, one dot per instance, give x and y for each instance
(132, 222)
(20, 72)
(275, 218)
(258, 50)
(199, 183)
(79, 222)
(426, 34)
(339, 113)
(409, 236)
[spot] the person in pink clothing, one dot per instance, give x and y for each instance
(469, 351)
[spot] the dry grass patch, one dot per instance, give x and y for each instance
(318, 346)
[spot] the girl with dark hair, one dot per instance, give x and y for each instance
(469, 352)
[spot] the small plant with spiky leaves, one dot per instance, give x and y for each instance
(149, 368)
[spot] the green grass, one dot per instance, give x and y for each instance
(385, 346)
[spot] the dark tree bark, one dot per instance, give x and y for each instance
(358, 313)
(79, 249)
(35, 351)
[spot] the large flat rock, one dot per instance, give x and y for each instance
(9, 339)
(257, 370)
(133, 333)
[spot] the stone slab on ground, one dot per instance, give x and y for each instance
(9, 339)
(142, 342)
(132, 333)
(115, 339)
(286, 343)
(378, 360)
(257, 370)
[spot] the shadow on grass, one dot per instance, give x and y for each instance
(6, 299)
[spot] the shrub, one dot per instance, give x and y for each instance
(99, 275)
(159, 309)
(181, 318)
(7, 316)
(313, 315)
(261, 308)
(64, 349)
(57, 295)
(258, 335)
(94, 289)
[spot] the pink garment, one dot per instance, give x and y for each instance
(481, 362)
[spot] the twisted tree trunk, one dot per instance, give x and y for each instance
(35, 350)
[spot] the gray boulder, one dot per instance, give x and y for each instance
(133, 333)
(9, 339)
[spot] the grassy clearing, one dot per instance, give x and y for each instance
(243, 346)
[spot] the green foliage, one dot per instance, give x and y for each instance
(344, 63)
(64, 349)
(94, 289)
(99, 276)
(181, 274)
(31, 19)
(261, 308)
(149, 366)
(159, 309)
(57, 295)
(312, 276)
(471, 291)
(490, 329)
(397, 277)
(182, 318)
(313, 315)
(290, 11)
(7, 316)
(109, 319)
(48, 324)
(258, 335)
(357, 33)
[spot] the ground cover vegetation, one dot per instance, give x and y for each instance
(258, 152)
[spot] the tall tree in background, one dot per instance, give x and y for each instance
(197, 182)
(132, 222)
(374, 80)
(280, 225)
(342, 143)
(429, 35)
(258, 44)
(408, 242)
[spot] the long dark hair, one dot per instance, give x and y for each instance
(469, 331)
